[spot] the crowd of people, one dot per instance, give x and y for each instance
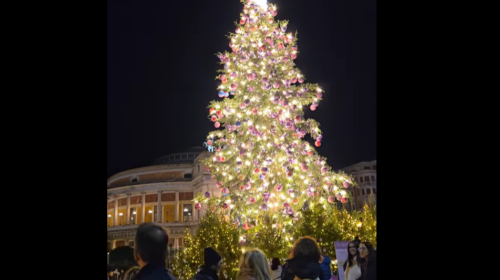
(305, 261)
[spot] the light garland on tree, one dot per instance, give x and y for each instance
(260, 162)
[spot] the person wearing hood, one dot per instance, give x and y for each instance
(213, 263)
(369, 266)
(325, 265)
(303, 261)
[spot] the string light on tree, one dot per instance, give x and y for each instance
(261, 162)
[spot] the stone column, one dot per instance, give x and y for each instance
(115, 218)
(176, 206)
(127, 215)
(159, 209)
(143, 207)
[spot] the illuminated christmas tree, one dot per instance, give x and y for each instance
(214, 231)
(261, 162)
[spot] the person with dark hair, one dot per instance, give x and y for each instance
(213, 263)
(275, 268)
(369, 266)
(303, 261)
(352, 268)
(151, 252)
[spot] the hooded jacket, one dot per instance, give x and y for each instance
(325, 265)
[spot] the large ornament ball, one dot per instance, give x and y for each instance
(197, 206)
(247, 101)
(213, 118)
(279, 187)
(317, 143)
(237, 123)
(234, 86)
(208, 194)
(225, 190)
(301, 80)
(222, 94)
(313, 107)
(263, 206)
(343, 200)
(217, 124)
(256, 171)
(345, 184)
(225, 206)
(331, 199)
(252, 200)
(286, 205)
(324, 169)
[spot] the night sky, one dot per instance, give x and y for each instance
(162, 65)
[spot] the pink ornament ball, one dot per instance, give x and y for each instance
(197, 206)
(313, 107)
(301, 80)
(331, 199)
(345, 184)
(217, 124)
(343, 200)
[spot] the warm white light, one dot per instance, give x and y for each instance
(185, 209)
(150, 211)
(109, 216)
(262, 3)
(120, 214)
(133, 213)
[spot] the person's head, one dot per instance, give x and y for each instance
(254, 263)
(365, 249)
(212, 259)
(306, 247)
(275, 263)
(352, 247)
(150, 245)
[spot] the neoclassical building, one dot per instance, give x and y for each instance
(162, 193)
(365, 174)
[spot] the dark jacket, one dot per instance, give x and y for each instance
(369, 267)
(206, 273)
(153, 272)
(325, 265)
(303, 268)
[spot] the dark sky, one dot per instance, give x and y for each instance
(162, 65)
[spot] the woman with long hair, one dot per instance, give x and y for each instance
(303, 261)
(275, 268)
(253, 266)
(369, 255)
(352, 267)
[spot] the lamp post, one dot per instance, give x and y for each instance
(133, 216)
(151, 212)
(121, 216)
(185, 210)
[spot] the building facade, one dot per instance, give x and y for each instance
(162, 193)
(365, 174)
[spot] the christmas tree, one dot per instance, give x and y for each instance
(214, 231)
(261, 163)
